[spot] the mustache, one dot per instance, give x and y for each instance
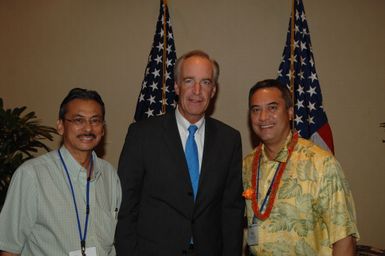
(87, 135)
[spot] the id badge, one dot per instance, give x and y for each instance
(90, 251)
(252, 234)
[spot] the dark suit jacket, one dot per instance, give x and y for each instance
(158, 215)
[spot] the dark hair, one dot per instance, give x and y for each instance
(196, 53)
(79, 93)
(272, 83)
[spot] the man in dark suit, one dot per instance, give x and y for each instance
(168, 209)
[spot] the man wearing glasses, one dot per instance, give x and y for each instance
(65, 202)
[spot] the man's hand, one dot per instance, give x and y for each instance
(345, 247)
(7, 254)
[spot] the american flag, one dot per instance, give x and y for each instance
(157, 95)
(310, 118)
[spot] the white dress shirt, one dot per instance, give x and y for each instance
(183, 126)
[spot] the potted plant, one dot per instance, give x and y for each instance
(20, 137)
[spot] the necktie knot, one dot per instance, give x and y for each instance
(192, 129)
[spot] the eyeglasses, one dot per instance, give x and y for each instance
(81, 121)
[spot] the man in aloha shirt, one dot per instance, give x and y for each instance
(313, 212)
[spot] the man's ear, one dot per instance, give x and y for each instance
(213, 91)
(103, 129)
(291, 113)
(60, 127)
(176, 88)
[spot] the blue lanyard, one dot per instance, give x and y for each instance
(82, 236)
(270, 187)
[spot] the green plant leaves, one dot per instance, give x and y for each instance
(20, 137)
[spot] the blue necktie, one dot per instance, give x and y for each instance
(191, 152)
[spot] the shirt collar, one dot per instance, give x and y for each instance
(184, 123)
(74, 168)
(283, 153)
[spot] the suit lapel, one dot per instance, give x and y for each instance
(208, 151)
(174, 145)
(181, 173)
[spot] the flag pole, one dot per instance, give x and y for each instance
(164, 56)
(292, 51)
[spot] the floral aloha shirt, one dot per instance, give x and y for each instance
(314, 206)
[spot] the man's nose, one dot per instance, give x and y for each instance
(197, 88)
(87, 125)
(263, 114)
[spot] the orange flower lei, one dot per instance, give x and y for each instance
(251, 192)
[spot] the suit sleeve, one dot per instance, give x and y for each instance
(233, 204)
(130, 171)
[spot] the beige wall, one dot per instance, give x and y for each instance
(50, 46)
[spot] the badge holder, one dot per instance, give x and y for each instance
(252, 233)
